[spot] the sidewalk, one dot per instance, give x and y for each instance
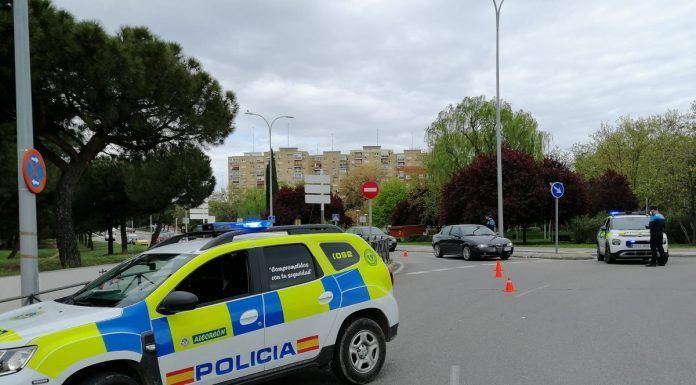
(11, 286)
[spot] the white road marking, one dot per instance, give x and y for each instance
(449, 268)
(518, 262)
(454, 375)
(487, 264)
(398, 269)
(418, 272)
(465, 267)
(531, 291)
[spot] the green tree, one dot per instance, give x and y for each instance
(658, 156)
(463, 131)
(350, 187)
(174, 174)
(222, 207)
(391, 193)
(274, 183)
(250, 203)
(91, 91)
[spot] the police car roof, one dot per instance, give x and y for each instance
(194, 246)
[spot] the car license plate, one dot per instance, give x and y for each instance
(508, 248)
(640, 246)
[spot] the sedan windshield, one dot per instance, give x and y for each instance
(630, 223)
(477, 230)
(129, 282)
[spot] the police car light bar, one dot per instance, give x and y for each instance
(614, 213)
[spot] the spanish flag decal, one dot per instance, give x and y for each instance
(307, 344)
(180, 377)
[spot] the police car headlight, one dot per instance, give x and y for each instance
(509, 244)
(482, 246)
(14, 360)
(615, 242)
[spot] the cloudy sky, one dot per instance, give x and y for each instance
(356, 68)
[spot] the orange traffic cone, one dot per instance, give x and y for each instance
(405, 254)
(509, 286)
(498, 270)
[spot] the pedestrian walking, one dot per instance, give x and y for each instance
(657, 229)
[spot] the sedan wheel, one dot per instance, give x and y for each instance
(466, 253)
(437, 251)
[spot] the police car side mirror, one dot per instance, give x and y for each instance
(178, 301)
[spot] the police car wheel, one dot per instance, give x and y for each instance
(108, 378)
(361, 352)
(608, 257)
(437, 251)
(600, 257)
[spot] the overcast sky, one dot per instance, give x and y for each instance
(353, 68)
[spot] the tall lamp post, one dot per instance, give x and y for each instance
(499, 155)
(270, 163)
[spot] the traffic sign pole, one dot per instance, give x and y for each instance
(28, 242)
(557, 191)
(369, 205)
(556, 199)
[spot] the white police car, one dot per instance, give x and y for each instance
(236, 308)
(625, 236)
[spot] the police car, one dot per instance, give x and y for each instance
(624, 235)
(235, 308)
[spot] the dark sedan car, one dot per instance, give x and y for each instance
(471, 242)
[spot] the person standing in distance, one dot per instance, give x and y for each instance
(657, 228)
(490, 223)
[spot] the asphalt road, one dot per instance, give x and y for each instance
(570, 322)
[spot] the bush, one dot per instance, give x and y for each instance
(674, 229)
(584, 228)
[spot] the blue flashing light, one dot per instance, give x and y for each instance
(614, 213)
(256, 225)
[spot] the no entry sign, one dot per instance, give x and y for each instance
(34, 171)
(370, 189)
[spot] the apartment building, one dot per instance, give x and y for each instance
(292, 164)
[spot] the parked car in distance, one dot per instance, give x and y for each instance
(367, 231)
(471, 242)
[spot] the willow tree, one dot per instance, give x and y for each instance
(463, 131)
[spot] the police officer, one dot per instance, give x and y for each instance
(490, 223)
(657, 228)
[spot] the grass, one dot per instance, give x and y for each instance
(48, 257)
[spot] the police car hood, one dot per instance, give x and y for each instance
(631, 233)
(19, 327)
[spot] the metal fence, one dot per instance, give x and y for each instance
(34, 297)
(381, 245)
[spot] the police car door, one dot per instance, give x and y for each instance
(218, 340)
(297, 304)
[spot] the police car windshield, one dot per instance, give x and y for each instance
(129, 282)
(630, 223)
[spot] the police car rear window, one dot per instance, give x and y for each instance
(289, 265)
(341, 255)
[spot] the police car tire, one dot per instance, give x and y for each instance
(108, 378)
(341, 364)
(600, 257)
(466, 253)
(608, 257)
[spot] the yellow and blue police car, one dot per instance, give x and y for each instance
(236, 308)
(624, 235)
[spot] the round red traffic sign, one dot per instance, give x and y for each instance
(34, 170)
(370, 189)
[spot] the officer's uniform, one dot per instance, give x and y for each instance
(657, 228)
(490, 224)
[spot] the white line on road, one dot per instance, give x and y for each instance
(487, 264)
(530, 291)
(465, 267)
(517, 262)
(454, 377)
(418, 272)
(449, 268)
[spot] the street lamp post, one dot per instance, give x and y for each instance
(270, 163)
(499, 155)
